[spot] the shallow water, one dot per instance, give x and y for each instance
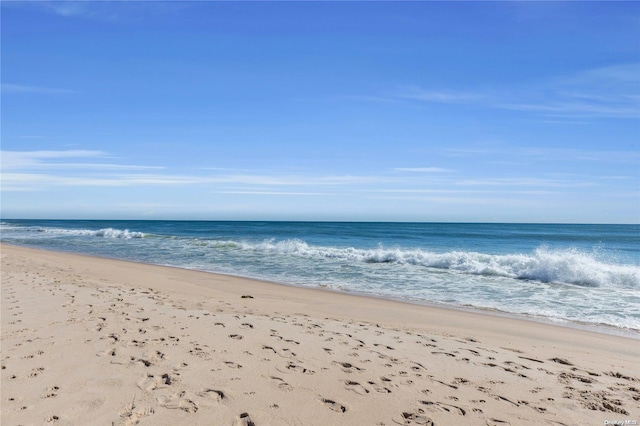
(579, 273)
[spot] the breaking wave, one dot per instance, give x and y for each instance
(104, 233)
(551, 266)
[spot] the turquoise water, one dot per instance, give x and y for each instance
(564, 273)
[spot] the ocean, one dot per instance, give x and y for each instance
(567, 274)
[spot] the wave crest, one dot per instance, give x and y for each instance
(104, 233)
(545, 265)
(117, 233)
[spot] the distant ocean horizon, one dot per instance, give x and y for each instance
(585, 274)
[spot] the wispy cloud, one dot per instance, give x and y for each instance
(99, 166)
(610, 76)
(104, 10)
(48, 170)
(69, 8)
(524, 182)
(473, 191)
(438, 96)
(560, 107)
(423, 170)
(35, 181)
(271, 193)
(292, 180)
(47, 160)
(32, 170)
(27, 89)
(24, 159)
(607, 92)
(41, 181)
(491, 153)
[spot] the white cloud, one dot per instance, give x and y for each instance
(40, 181)
(42, 160)
(23, 159)
(32, 170)
(69, 8)
(607, 92)
(607, 76)
(294, 180)
(560, 107)
(473, 191)
(104, 10)
(270, 193)
(524, 182)
(438, 96)
(99, 166)
(34, 181)
(517, 154)
(21, 88)
(423, 169)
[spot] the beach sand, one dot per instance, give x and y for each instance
(98, 341)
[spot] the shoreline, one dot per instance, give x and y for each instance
(575, 325)
(163, 345)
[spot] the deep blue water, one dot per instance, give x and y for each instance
(577, 273)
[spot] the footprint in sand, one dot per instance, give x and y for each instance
(561, 361)
(282, 384)
(176, 401)
(269, 348)
(35, 372)
(379, 388)
(150, 382)
(52, 392)
(299, 369)
(356, 387)
(348, 367)
(244, 420)
(332, 405)
(414, 419)
(215, 394)
(441, 406)
(497, 422)
(115, 357)
(384, 346)
(133, 414)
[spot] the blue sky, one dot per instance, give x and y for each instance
(400, 111)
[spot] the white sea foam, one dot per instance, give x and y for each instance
(117, 233)
(105, 233)
(591, 283)
(545, 265)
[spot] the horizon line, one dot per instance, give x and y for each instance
(333, 221)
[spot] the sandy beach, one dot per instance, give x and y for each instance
(97, 341)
